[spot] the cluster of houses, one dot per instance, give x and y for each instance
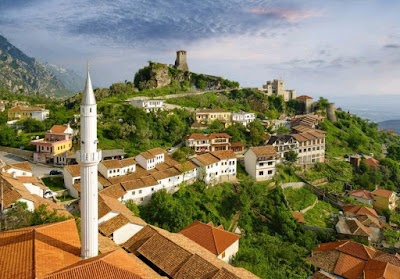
(204, 117)
(138, 178)
(352, 260)
(198, 251)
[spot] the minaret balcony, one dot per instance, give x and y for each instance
(88, 157)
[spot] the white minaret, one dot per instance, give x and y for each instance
(88, 158)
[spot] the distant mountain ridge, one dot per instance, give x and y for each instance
(390, 125)
(20, 73)
(69, 78)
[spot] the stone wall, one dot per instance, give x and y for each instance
(18, 152)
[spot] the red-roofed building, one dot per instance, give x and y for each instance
(221, 243)
(363, 196)
(353, 260)
(384, 199)
(54, 146)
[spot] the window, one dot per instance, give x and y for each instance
(270, 163)
(270, 172)
(140, 191)
(261, 164)
(133, 193)
(260, 173)
(152, 189)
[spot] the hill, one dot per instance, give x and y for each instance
(390, 125)
(20, 73)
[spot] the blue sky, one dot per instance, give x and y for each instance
(321, 48)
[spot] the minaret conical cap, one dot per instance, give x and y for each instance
(88, 94)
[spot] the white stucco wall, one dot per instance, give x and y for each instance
(125, 232)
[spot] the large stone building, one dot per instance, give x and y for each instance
(207, 116)
(277, 88)
(311, 147)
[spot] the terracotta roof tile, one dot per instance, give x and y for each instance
(74, 170)
(116, 264)
(30, 250)
(359, 210)
(25, 166)
(110, 226)
(108, 204)
(304, 97)
(196, 267)
(393, 259)
(206, 159)
(215, 240)
(264, 151)
(58, 129)
(298, 216)
(382, 193)
(25, 108)
(322, 275)
(115, 164)
(114, 191)
(166, 255)
(357, 250)
(349, 267)
(224, 154)
(182, 243)
(106, 244)
(376, 269)
(361, 194)
(325, 260)
(225, 274)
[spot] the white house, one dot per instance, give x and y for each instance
(40, 115)
(216, 166)
(243, 118)
(149, 159)
(149, 105)
(223, 244)
(116, 220)
(260, 162)
(111, 168)
(19, 169)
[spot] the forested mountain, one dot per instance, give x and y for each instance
(23, 74)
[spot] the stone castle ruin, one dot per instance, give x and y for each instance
(180, 62)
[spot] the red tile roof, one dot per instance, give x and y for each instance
(359, 210)
(25, 166)
(115, 264)
(382, 193)
(38, 251)
(298, 216)
(214, 239)
(353, 260)
(58, 129)
(170, 252)
(263, 151)
(361, 194)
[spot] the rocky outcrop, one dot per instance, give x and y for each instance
(161, 75)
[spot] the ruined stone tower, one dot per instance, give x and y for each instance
(180, 62)
(331, 113)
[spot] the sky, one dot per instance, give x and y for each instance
(320, 48)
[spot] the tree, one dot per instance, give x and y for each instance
(290, 156)
(7, 135)
(132, 206)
